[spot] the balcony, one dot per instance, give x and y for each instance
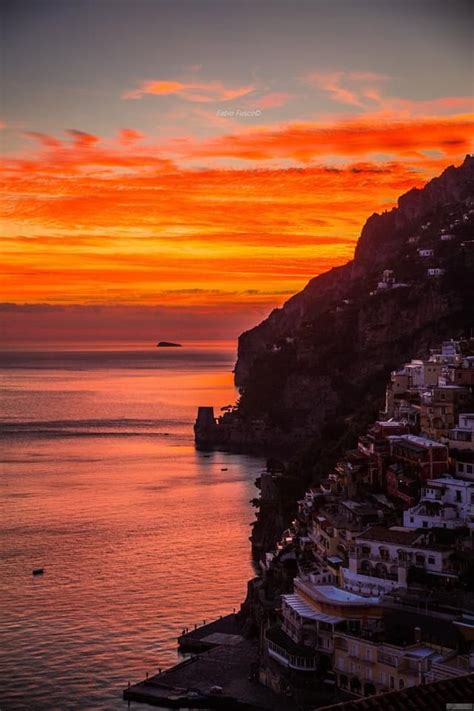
(388, 659)
(289, 654)
(375, 575)
(387, 559)
(363, 584)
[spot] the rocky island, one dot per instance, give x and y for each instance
(168, 344)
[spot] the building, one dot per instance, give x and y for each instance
(425, 458)
(463, 461)
(440, 408)
(365, 666)
(463, 373)
(462, 436)
(300, 649)
(313, 614)
(444, 503)
(386, 559)
(435, 696)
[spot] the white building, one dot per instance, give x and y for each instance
(426, 252)
(462, 436)
(445, 503)
(414, 370)
(436, 272)
(381, 558)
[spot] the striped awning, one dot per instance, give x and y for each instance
(304, 610)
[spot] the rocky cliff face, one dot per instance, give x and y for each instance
(317, 361)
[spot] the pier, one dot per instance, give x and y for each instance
(223, 676)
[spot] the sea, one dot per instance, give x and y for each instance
(139, 534)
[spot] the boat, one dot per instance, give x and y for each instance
(38, 571)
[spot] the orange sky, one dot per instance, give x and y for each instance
(166, 196)
(92, 220)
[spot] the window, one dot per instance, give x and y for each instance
(431, 560)
(460, 467)
(411, 519)
(392, 682)
(368, 654)
(401, 684)
(425, 524)
(469, 468)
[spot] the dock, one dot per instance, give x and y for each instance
(223, 631)
(222, 678)
(222, 674)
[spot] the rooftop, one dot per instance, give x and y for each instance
(424, 442)
(448, 481)
(396, 534)
(428, 697)
(330, 593)
(305, 610)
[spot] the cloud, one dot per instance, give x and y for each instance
(194, 91)
(347, 87)
(125, 219)
(360, 136)
(272, 100)
(363, 90)
(128, 136)
(82, 139)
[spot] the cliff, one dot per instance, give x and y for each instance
(315, 367)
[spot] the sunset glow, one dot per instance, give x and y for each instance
(242, 192)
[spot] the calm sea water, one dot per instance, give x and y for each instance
(139, 534)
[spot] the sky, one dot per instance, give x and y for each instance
(176, 169)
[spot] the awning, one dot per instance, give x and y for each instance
(304, 610)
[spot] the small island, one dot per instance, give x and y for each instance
(168, 344)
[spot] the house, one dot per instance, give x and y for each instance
(462, 436)
(439, 409)
(387, 559)
(374, 561)
(444, 503)
(366, 666)
(463, 463)
(436, 271)
(463, 372)
(424, 252)
(424, 457)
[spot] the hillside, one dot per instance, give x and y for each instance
(320, 362)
